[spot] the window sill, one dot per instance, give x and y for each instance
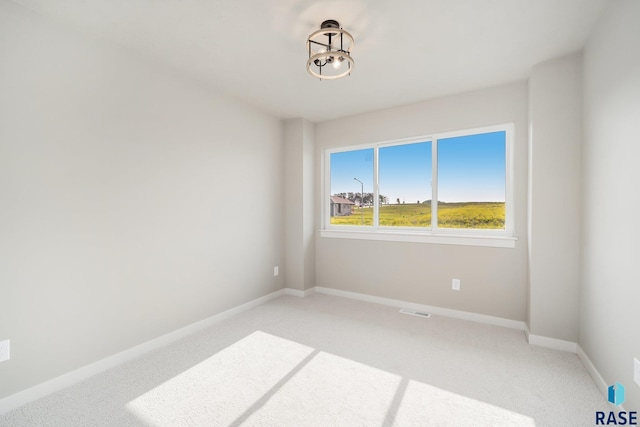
(417, 237)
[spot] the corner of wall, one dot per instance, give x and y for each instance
(300, 215)
(555, 136)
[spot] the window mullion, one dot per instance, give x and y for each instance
(376, 188)
(434, 185)
(326, 190)
(509, 201)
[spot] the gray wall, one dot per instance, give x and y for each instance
(493, 279)
(609, 327)
(133, 201)
(299, 206)
(555, 113)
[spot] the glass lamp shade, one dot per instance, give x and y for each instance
(330, 46)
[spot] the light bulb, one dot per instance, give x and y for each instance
(337, 64)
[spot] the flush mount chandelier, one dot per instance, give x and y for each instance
(330, 52)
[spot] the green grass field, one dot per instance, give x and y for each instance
(450, 215)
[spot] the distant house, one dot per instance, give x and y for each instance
(340, 206)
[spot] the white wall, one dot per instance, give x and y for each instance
(555, 111)
(493, 279)
(133, 201)
(609, 327)
(299, 206)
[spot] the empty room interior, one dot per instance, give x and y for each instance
(295, 212)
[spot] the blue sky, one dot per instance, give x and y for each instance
(346, 166)
(405, 172)
(470, 168)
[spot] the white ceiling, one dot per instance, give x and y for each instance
(405, 50)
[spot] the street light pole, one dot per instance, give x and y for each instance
(361, 198)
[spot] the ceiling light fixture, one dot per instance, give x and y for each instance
(330, 45)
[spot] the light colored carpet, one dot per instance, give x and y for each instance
(329, 361)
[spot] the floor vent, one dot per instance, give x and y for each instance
(414, 313)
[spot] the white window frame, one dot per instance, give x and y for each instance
(434, 234)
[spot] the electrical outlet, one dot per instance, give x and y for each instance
(455, 284)
(275, 271)
(636, 371)
(5, 353)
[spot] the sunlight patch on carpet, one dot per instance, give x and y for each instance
(331, 391)
(264, 380)
(222, 387)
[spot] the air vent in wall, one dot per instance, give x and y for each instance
(414, 313)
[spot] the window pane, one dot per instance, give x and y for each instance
(472, 181)
(351, 177)
(404, 175)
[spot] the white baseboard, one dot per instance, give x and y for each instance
(73, 377)
(465, 315)
(299, 293)
(538, 340)
(552, 343)
(601, 384)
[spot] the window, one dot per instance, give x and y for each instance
(445, 188)
(472, 181)
(405, 172)
(352, 171)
